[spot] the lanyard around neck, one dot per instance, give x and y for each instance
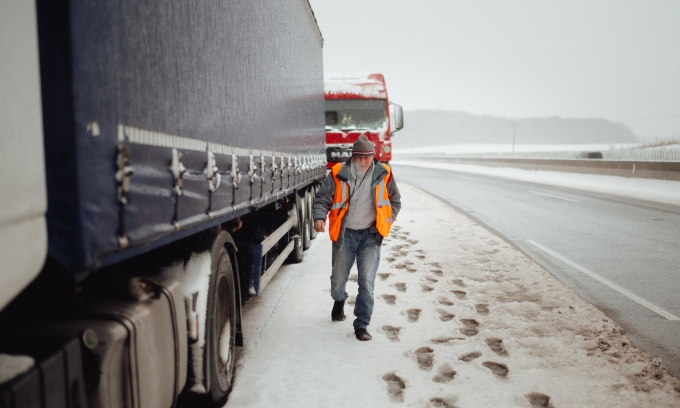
(351, 193)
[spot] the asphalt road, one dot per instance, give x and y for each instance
(621, 255)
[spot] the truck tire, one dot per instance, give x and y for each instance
(297, 254)
(310, 203)
(221, 326)
(306, 239)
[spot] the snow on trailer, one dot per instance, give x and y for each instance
(371, 86)
(167, 154)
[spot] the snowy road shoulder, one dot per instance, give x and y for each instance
(658, 191)
(461, 319)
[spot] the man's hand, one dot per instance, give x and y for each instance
(320, 226)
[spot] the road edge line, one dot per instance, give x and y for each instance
(554, 196)
(604, 281)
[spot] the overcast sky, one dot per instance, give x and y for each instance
(617, 59)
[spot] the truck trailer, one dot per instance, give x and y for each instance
(359, 105)
(159, 160)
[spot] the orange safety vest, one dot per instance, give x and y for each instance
(339, 207)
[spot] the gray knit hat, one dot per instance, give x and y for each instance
(363, 147)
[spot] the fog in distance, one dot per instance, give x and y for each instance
(610, 68)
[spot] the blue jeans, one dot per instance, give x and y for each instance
(362, 246)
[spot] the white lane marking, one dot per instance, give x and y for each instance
(614, 286)
(553, 196)
(467, 178)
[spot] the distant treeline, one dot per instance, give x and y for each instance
(438, 127)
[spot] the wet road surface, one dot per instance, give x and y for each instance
(619, 254)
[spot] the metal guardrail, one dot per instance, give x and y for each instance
(661, 170)
(617, 154)
(643, 155)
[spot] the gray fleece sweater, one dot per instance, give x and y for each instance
(361, 211)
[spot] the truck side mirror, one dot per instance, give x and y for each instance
(397, 117)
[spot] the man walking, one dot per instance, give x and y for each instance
(361, 200)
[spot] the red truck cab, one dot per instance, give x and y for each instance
(358, 106)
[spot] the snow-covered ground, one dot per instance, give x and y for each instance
(659, 191)
(462, 318)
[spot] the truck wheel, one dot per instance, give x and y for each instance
(310, 202)
(221, 327)
(297, 254)
(306, 240)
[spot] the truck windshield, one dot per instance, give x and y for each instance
(352, 114)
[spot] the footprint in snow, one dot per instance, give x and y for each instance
(496, 345)
(391, 332)
(444, 301)
(412, 241)
(402, 253)
(471, 327)
(437, 272)
(425, 358)
(411, 269)
(446, 374)
(420, 251)
(413, 315)
(446, 340)
(470, 356)
(395, 387)
(435, 264)
(459, 293)
(538, 400)
(390, 260)
(389, 299)
(384, 275)
(482, 309)
(458, 282)
(351, 300)
(498, 369)
(420, 256)
(445, 316)
(401, 286)
(426, 288)
(442, 403)
(353, 277)
(399, 266)
(429, 279)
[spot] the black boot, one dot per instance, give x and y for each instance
(338, 313)
(362, 334)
